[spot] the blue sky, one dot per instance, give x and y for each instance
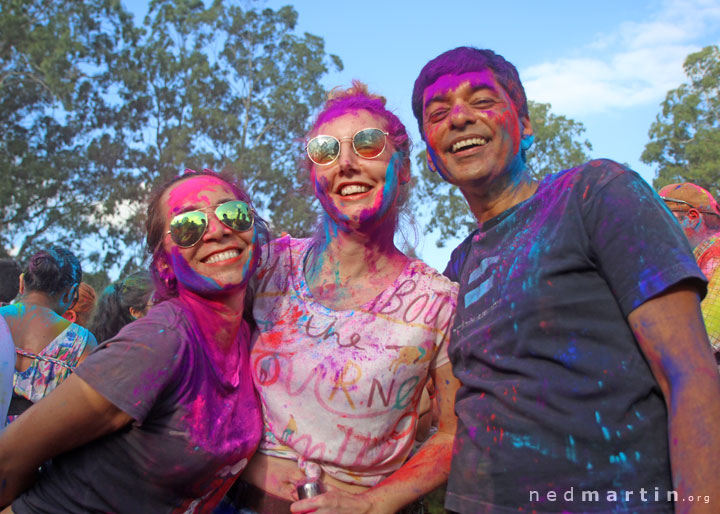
(606, 64)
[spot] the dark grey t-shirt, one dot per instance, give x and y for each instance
(193, 431)
(557, 399)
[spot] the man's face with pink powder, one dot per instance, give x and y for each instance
(473, 129)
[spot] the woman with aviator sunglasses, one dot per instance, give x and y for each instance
(348, 331)
(163, 416)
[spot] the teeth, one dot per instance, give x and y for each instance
(480, 141)
(222, 256)
(353, 189)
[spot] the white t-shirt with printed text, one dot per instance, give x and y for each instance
(340, 389)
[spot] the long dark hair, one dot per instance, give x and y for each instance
(113, 307)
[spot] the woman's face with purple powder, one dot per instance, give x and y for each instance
(353, 190)
(223, 259)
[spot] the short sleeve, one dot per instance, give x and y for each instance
(133, 368)
(441, 356)
(442, 312)
(639, 247)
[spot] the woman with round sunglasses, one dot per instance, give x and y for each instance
(163, 416)
(348, 331)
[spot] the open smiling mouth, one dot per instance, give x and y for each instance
(353, 189)
(223, 256)
(465, 144)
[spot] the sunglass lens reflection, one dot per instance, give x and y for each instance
(369, 143)
(235, 215)
(187, 228)
(323, 149)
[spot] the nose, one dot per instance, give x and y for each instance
(347, 160)
(461, 115)
(215, 230)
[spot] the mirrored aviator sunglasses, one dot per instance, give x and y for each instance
(367, 143)
(187, 228)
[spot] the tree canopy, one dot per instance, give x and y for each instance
(685, 137)
(558, 145)
(95, 111)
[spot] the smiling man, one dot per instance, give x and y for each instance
(578, 337)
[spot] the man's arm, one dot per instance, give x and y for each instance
(672, 336)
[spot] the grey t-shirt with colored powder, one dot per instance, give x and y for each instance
(192, 434)
(557, 400)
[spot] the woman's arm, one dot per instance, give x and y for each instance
(426, 470)
(72, 415)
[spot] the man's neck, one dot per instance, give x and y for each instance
(494, 201)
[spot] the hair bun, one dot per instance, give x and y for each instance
(52, 271)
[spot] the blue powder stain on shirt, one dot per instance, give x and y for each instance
(620, 459)
(161, 331)
(526, 441)
(600, 383)
(570, 450)
(597, 416)
(637, 456)
(606, 434)
(568, 356)
(589, 466)
(630, 427)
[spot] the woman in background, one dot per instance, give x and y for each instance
(81, 312)
(120, 303)
(48, 346)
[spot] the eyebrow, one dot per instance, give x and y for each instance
(474, 85)
(197, 207)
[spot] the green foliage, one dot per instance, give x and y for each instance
(557, 146)
(96, 111)
(53, 63)
(685, 137)
(557, 143)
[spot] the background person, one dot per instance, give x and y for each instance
(83, 308)
(699, 216)
(578, 337)
(348, 331)
(162, 417)
(49, 346)
(9, 280)
(121, 303)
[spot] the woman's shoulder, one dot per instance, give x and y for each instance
(162, 322)
(430, 278)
